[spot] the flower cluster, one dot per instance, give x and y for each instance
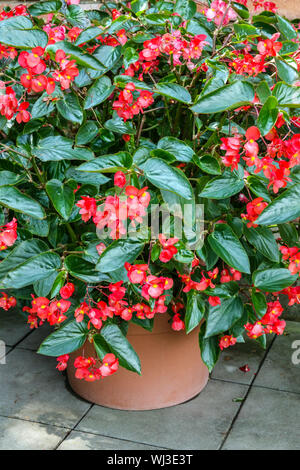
(127, 107)
(7, 302)
(42, 310)
(87, 370)
(269, 323)
(8, 234)
(116, 210)
(293, 256)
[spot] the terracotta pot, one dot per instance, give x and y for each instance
(172, 371)
(288, 8)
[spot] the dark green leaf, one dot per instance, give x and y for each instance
(164, 176)
(118, 253)
(62, 197)
(108, 163)
(263, 240)
(223, 186)
(13, 199)
(273, 280)
(120, 346)
(66, 339)
(222, 317)
(268, 115)
(181, 151)
(195, 309)
(284, 208)
(56, 148)
(226, 244)
(69, 107)
(99, 92)
(227, 97)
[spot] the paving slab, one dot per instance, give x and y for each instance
(13, 326)
(200, 423)
(16, 434)
(231, 359)
(281, 368)
(86, 441)
(268, 420)
(32, 389)
(34, 340)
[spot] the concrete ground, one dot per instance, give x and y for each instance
(259, 409)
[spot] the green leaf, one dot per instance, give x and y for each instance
(287, 95)
(62, 197)
(230, 96)
(108, 163)
(130, 56)
(259, 302)
(208, 164)
(86, 133)
(13, 199)
(119, 126)
(43, 287)
(99, 92)
(289, 234)
(118, 253)
(226, 245)
(69, 107)
(164, 176)
(243, 30)
(286, 28)
(173, 91)
(284, 208)
(9, 178)
(76, 16)
(101, 346)
(88, 35)
(273, 280)
(32, 270)
(21, 253)
(268, 115)
(263, 91)
(18, 32)
(263, 240)
(185, 8)
(223, 186)
(42, 8)
(56, 148)
(222, 317)
(287, 72)
(76, 53)
(123, 80)
(209, 348)
(258, 187)
(68, 338)
(83, 270)
(120, 346)
(42, 107)
(108, 56)
(195, 309)
(181, 151)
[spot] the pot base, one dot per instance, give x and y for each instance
(172, 371)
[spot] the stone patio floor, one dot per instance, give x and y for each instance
(259, 409)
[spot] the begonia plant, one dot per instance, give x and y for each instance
(108, 116)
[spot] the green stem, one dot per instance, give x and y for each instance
(71, 232)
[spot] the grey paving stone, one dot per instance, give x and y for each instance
(37, 336)
(32, 389)
(237, 356)
(269, 420)
(200, 423)
(16, 434)
(278, 371)
(13, 327)
(86, 441)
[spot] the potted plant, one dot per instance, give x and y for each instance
(119, 125)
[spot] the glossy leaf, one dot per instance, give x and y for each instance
(118, 253)
(120, 346)
(273, 280)
(226, 245)
(62, 197)
(99, 92)
(164, 176)
(195, 309)
(283, 208)
(18, 201)
(222, 317)
(68, 338)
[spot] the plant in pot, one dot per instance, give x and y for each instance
(119, 125)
